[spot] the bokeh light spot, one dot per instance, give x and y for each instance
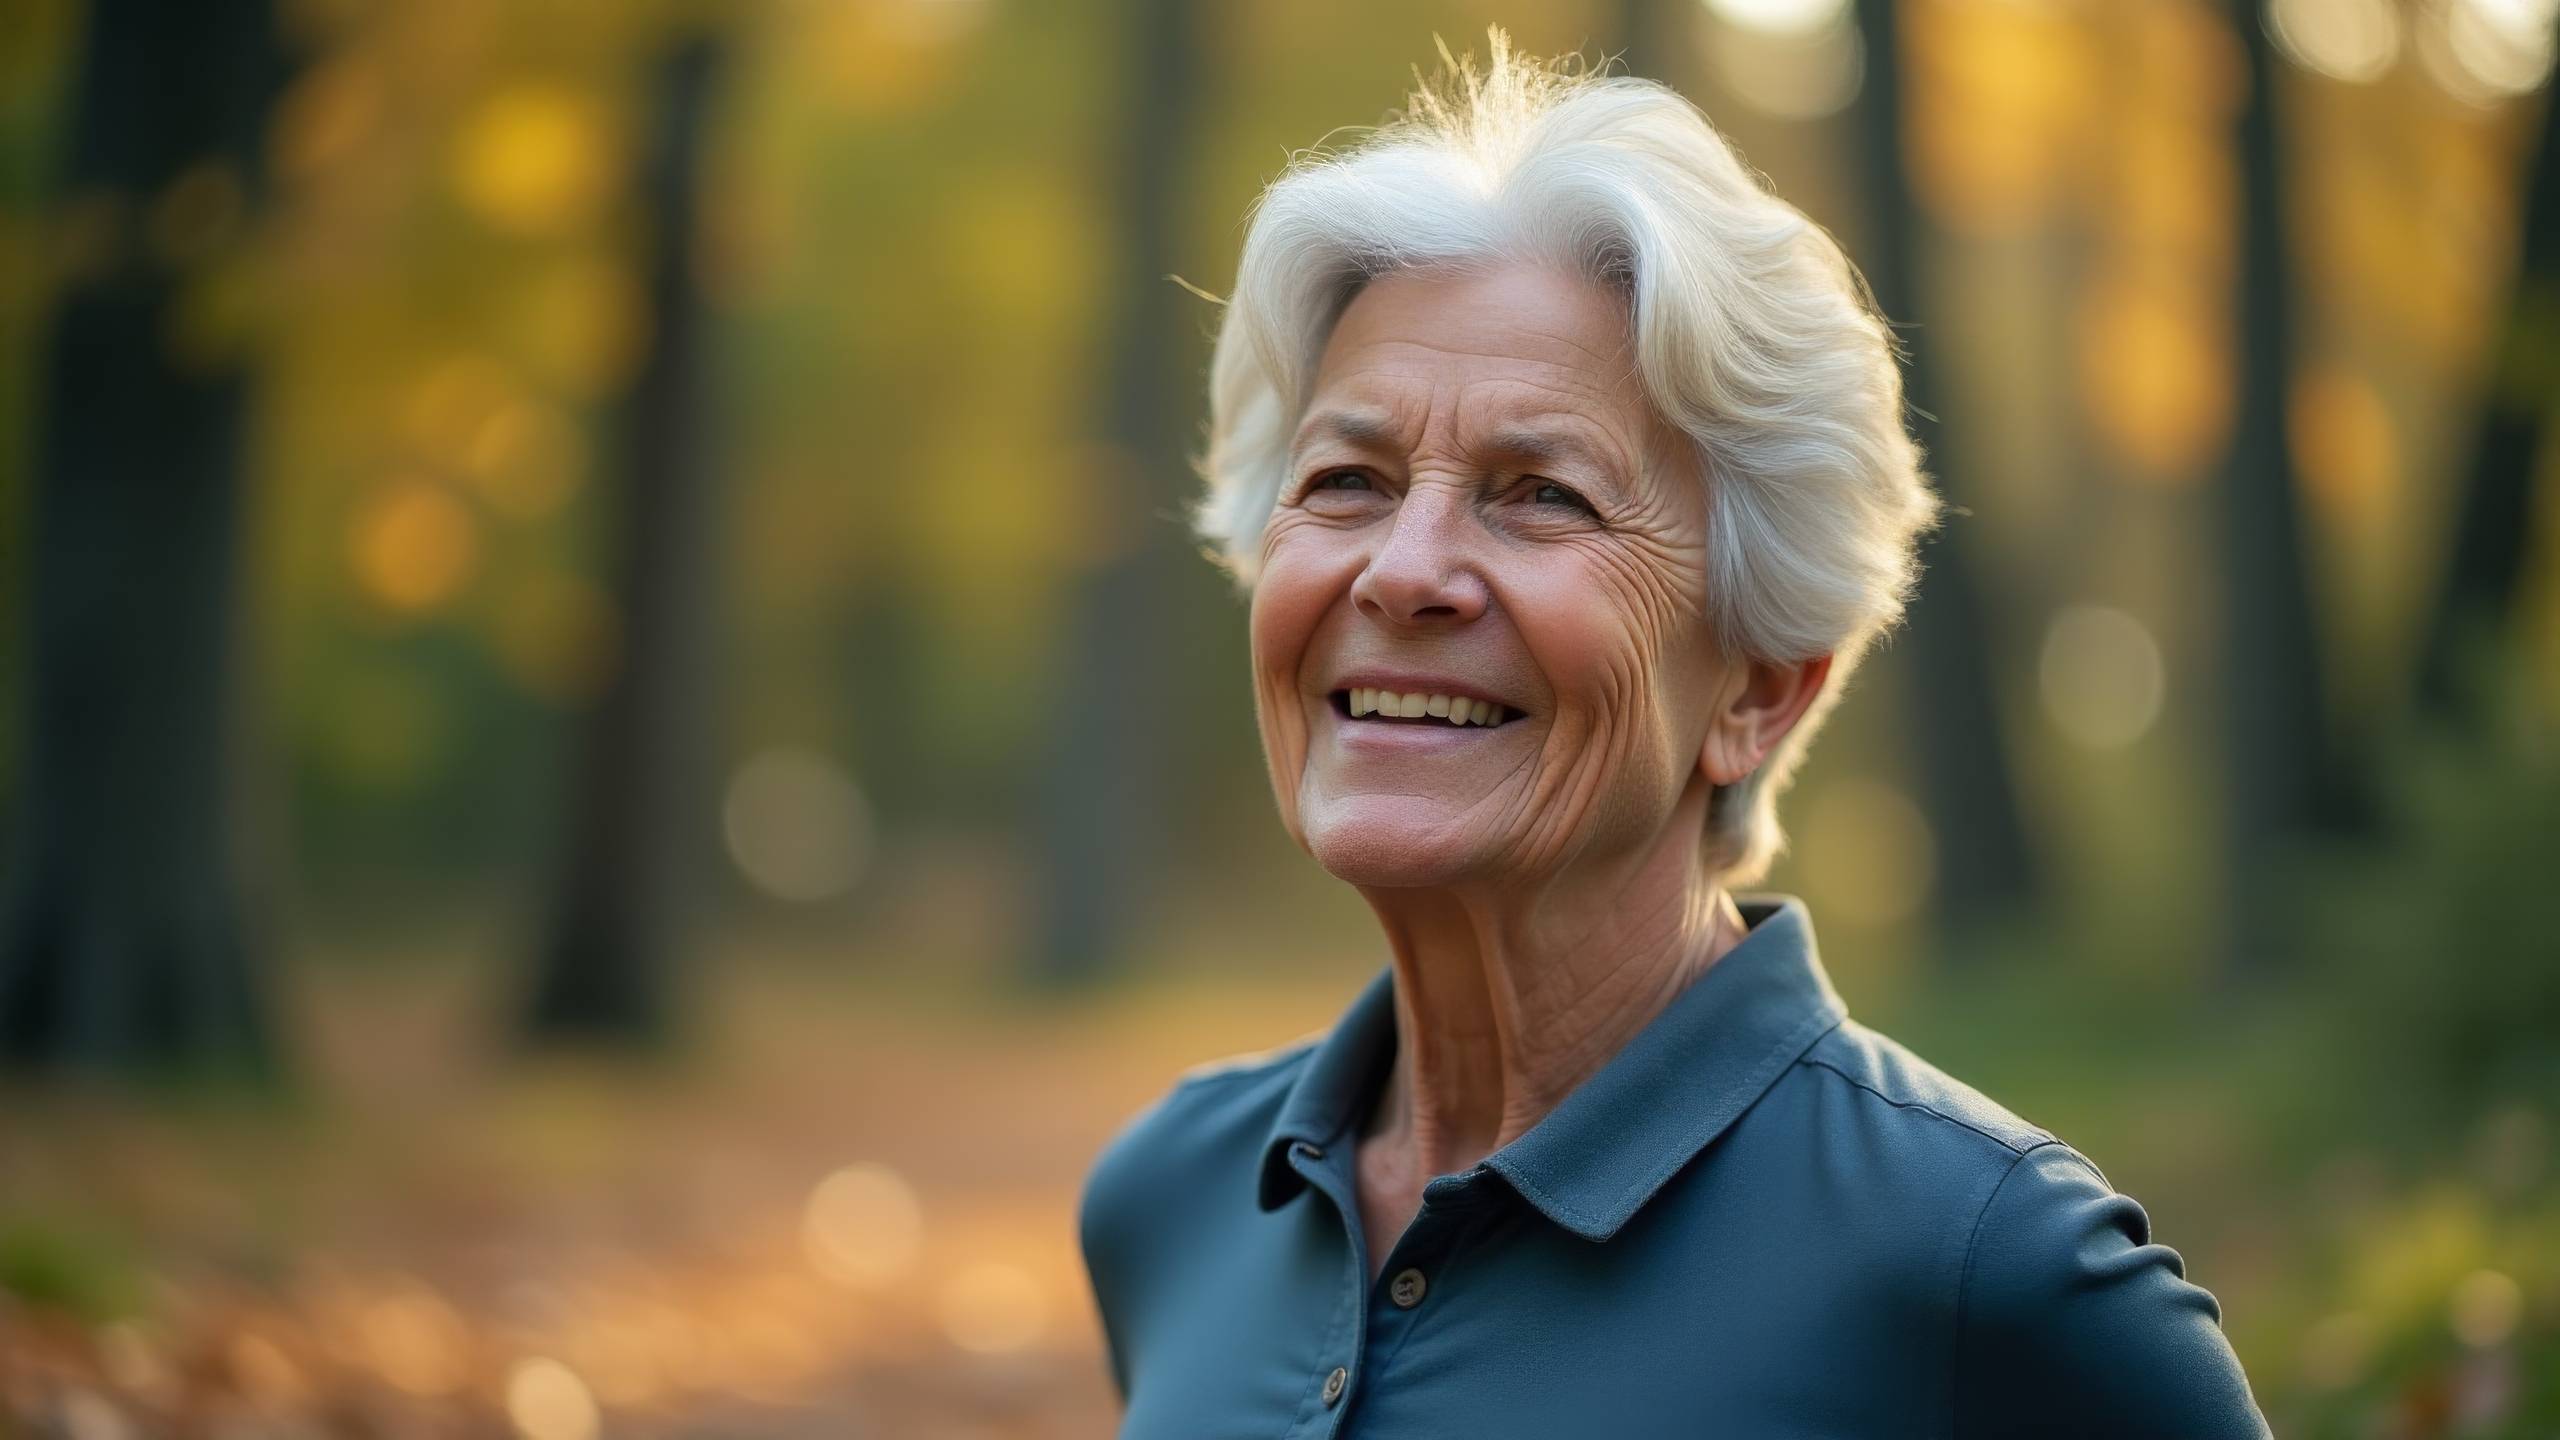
(416, 1341)
(1790, 73)
(536, 159)
(797, 826)
(2487, 51)
(414, 546)
(2154, 378)
(547, 1401)
(1780, 17)
(863, 1226)
(886, 57)
(2101, 676)
(1999, 128)
(2486, 1306)
(2352, 40)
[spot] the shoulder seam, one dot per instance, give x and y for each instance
(2002, 1141)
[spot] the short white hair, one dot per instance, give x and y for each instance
(1753, 335)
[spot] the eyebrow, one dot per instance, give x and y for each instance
(1546, 447)
(1367, 429)
(1374, 430)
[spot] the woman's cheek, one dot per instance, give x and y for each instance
(1280, 626)
(1604, 733)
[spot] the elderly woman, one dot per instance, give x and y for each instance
(1567, 470)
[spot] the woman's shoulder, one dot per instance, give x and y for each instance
(1188, 1159)
(2064, 1302)
(1205, 1130)
(1932, 1104)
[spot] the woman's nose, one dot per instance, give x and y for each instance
(1420, 573)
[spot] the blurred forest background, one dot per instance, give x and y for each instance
(617, 766)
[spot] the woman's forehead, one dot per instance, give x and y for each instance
(1528, 365)
(1530, 315)
(1513, 350)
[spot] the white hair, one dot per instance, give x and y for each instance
(1753, 335)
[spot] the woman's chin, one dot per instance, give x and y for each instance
(1393, 852)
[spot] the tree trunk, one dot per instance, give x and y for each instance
(2484, 571)
(122, 934)
(1966, 789)
(1103, 786)
(1652, 40)
(641, 810)
(2283, 774)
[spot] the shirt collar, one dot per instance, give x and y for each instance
(1601, 1154)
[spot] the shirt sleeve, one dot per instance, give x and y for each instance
(1101, 1238)
(2072, 1322)
(1121, 1215)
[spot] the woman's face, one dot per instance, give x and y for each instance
(1481, 504)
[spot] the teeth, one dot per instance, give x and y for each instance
(1457, 709)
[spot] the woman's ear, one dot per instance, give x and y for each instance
(1755, 710)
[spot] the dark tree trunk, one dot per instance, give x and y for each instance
(2484, 571)
(1652, 38)
(1103, 786)
(641, 808)
(1985, 867)
(123, 941)
(2283, 773)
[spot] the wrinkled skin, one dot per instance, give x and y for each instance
(1570, 585)
(1480, 490)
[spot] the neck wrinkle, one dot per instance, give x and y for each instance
(1508, 999)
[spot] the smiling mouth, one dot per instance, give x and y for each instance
(1386, 707)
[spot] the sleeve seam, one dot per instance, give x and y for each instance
(2002, 1141)
(1964, 1283)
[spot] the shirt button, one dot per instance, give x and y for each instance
(1406, 1289)
(1333, 1384)
(1312, 1152)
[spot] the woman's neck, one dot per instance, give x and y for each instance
(1508, 997)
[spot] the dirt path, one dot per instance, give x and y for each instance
(846, 1212)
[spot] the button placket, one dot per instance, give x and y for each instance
(1325, 1173)
(1454, 1220)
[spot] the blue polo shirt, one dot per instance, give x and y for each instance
(1760, 1218)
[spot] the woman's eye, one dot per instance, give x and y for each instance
(1337, 482)
(1549, 492)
